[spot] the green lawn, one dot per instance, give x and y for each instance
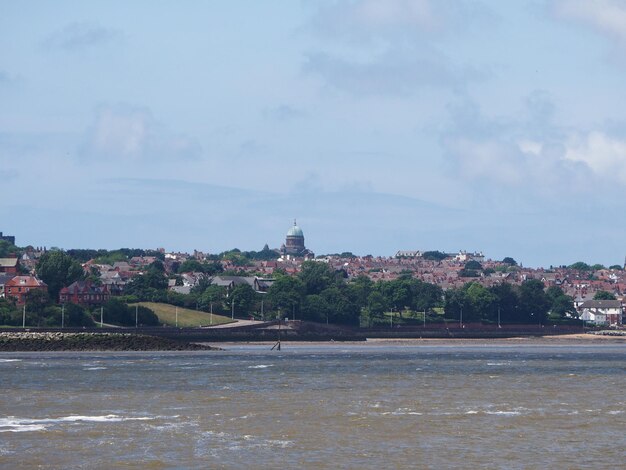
(186, 317)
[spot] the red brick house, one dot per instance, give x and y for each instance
(19, 286)
(84, 293)
(9, 265)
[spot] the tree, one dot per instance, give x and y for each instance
(603, 295)
(580, 266)
(483, 302)
(7, 249)
(57, 270)
(242, 297)
(75, 315)
(434, 255)
(316, 277)
(473, 265)
(315, 308)
(376, 307)
(190, 265)
(150, 285)
(510, 261)
(285, 293)
(561, 304)
(116, 311)
(534, 303)
(507, 302)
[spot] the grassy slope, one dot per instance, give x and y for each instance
(186, 317)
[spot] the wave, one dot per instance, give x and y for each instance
(10, 360)
(261, 366)
(12, 424)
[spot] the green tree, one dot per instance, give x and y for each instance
(117, 312)
(580, 266)
(376, 307)
(510, 261)
(534, 303)
(561, 304)
(483, 302)
(7, 249)
(316, 276)
(315, 308)
(285, 293)
(242, 297)
(473, 265)
(434, 255)
(507, 302)
(190, 265)
(603, 295)
(58, 270)
(75, 315)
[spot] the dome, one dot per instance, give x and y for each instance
(295, 231)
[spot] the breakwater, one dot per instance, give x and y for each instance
(57, 341)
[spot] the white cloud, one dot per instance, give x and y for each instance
(503, 159)
(132, 133)
(390, 73)
(392, 19)
(605, 155)
(607, 16)
(79, 35)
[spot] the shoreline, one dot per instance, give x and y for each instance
(121, 342)
(573, 339)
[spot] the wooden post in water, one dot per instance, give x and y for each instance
(277, 345)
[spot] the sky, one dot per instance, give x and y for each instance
(380, 125)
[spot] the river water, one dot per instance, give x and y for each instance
(307, 406)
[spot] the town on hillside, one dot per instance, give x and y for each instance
(38, 285)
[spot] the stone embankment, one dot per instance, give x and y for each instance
(41, 341)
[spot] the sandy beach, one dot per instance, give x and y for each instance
(579, 338)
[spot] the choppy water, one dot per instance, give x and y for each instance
(335, 406)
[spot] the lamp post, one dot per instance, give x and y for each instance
(63, 316)
(499, 326)
(461, 317)
(232, 309)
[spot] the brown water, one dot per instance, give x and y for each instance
(333, 406)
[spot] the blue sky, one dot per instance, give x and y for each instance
(379, 125)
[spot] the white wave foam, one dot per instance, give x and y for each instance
(503, 413)
(12, 424)
(95, 368)
(10, 360)
(23, 428)
(261, 366)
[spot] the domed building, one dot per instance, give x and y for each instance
(294, 243)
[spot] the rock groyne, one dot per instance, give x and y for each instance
(42, 341)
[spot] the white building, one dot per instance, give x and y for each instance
(601, 312)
